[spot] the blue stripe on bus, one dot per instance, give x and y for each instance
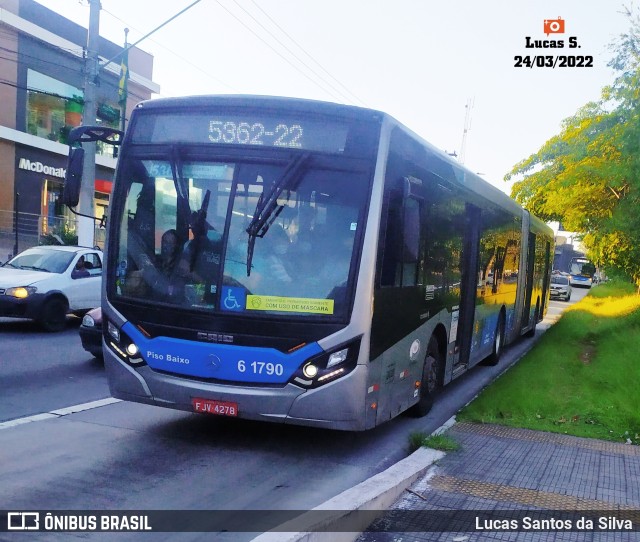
(220, 361)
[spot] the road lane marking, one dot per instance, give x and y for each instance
(58, 413)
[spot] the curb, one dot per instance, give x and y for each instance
(376, 494)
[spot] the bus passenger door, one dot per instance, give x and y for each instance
(545, 278)
(468, 288)
(400, 304)
(528, 290)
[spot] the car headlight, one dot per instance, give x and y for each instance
(87, 321)
(21, 292)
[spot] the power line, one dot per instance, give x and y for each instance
(184, 59)
(311, 69)
(306, 52)
(275, 51)
(11, 36)
(149, 33)
(336, 94)
(22, 56)
(57, 65)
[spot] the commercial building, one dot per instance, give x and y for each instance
(42, 61)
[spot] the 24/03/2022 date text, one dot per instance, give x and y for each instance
(551, 61)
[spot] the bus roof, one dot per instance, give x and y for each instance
(458, 174)
(264, 102)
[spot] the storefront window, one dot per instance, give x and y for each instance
(54, 107)
(55, 220)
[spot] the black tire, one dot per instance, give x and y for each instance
(431, 379)
(532, 331)
(53, 316)
(498, 343)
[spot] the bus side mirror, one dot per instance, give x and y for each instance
(73, 177)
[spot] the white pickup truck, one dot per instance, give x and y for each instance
(46, 283)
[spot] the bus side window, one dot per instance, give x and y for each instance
(411, 242)
(403, 259)
(391, 273)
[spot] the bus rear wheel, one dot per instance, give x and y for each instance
(532, 331)
(498, 343)
(431, 379)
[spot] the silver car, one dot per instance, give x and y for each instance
(560, 287)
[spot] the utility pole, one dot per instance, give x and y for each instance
(123, 84)
(86, 226)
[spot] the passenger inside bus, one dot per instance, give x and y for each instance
(169, 252)
(168, 286)
(200, 259)
(334, 273)
(271, 257)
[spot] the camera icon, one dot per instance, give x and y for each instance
(554, 26)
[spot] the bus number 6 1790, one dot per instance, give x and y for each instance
(261, 367)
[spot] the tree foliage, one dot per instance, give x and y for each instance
(588, 176)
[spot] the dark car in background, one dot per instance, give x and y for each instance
(91, 332)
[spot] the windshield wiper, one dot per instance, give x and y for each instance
(267, 208)
(180, 184)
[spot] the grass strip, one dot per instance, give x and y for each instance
(437, 442)
(581, 378)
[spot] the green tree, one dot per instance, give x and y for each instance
(588, 176)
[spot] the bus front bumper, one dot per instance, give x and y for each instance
(337, 405)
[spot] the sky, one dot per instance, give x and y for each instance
(446, 69)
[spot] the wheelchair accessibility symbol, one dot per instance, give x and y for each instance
(233, 298)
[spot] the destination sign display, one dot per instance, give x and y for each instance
(280, 131)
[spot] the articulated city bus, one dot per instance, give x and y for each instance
(305, 262)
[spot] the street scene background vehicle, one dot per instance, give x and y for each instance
(560, 286)
(48, 282)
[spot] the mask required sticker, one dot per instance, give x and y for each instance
(289, 304)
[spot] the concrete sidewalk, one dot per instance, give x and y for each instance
(510, 475)
(502, 484)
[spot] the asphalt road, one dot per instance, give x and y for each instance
(137, 457)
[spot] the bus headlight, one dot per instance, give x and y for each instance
(338, 357)
(120, 343)
(113, 331)
(310, 370)
(328, 366)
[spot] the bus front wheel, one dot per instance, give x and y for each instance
(431, 379)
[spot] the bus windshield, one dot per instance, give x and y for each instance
(582, 267)
(240, 235)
